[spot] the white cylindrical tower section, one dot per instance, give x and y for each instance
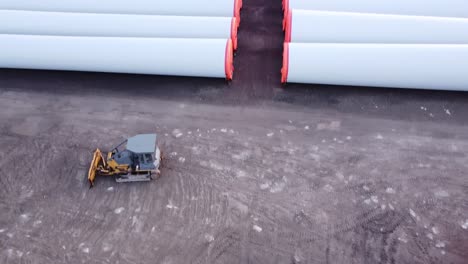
(346, 27)
(424, 66)
(447, 8)
(226, 8)
(161, 56)
(116, 25)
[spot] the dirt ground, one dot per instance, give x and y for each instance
(266, 183)
(254, 173)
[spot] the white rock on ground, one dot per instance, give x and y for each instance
(119, 210)
(412, 213)
(257, 228)
(440, 244)
(209, 238)
(298, 256)
(465, 224)
(328, 188)
(177, 133)
(277, 187)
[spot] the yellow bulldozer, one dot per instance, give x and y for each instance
(138, 161)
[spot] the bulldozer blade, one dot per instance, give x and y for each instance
(97, 159)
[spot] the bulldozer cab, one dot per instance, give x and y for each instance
(143, 150)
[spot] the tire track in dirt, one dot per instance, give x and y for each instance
(60, 174)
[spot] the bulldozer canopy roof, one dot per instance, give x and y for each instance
(143, 143)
